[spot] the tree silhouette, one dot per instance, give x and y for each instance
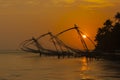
(108, 36)
(117, 17)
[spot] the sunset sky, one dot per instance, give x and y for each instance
(22, 19)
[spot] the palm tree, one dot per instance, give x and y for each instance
(103, 35)
(108, 36)
(108, 25)
(117, 17)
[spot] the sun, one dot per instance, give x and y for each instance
(84, 36)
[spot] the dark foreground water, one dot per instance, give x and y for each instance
(27, 66)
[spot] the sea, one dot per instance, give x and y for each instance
(17, 65)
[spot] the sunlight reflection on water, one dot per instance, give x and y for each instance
(25, 66)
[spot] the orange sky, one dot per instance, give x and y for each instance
(22, 19)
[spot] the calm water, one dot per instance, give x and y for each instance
(27, 66)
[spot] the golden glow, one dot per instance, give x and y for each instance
(84, 36)
(70, 1)
(84, 64)
(59, 2)
(36, 17)
(96, 1)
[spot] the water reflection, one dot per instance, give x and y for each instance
(92, 69)
(112, 68)
(84, 69)
(32, 67)
(84, 63)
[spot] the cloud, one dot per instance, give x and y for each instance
(94, 4)
(29, 3)
(64, 1)
(85, 4)
(58, 3)
(18, 3)
(96, 1)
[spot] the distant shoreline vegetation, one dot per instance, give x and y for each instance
(108, 36)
